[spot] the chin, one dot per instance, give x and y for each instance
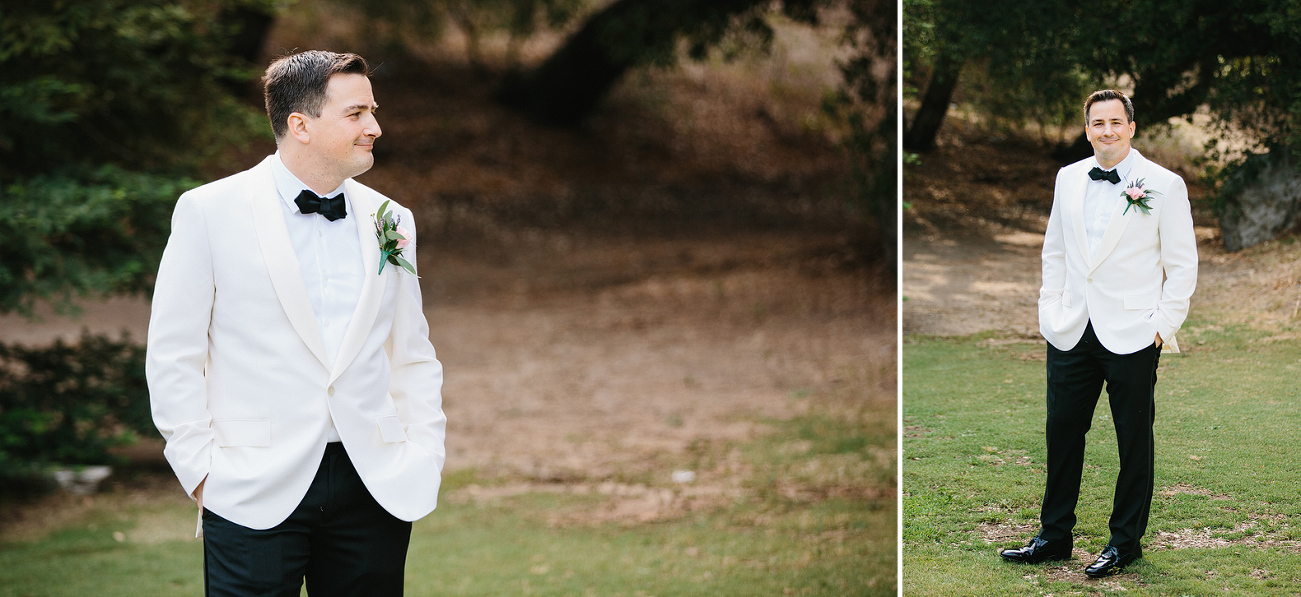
(362, 165)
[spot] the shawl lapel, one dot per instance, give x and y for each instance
(281, 261)
(372, 288)
(1119, 218)
(1075, 208)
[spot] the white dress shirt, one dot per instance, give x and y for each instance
(1100, 199)
(329, 256)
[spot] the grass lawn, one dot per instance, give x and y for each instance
(1226, 516)
(813, 514)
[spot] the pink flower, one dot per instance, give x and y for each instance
(1135, 193)
(406, 237)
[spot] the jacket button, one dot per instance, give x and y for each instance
(1090, 280)
(330, 391)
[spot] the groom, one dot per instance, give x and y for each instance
(1119, 266)
(289, 367)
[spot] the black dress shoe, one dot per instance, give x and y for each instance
(1038, 550)
(1111, 561)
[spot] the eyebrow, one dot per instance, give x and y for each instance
(372, 107)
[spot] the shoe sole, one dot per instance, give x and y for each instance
(1110, 571)
(1045, 560)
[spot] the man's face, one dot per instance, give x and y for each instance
(344, 135)
(1109, 131)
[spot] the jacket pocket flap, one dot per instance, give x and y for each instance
(230, 433)
(390, 429)
(1139, 301)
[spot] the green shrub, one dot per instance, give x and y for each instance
(70, 403)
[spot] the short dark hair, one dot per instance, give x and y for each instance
(296, 83)
(1107, 95)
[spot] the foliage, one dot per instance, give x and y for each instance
(1034, 79)
(107, 109)
(138, 83)
(78, 231)
(105, 106)
(868, 103)
(1240, 60)
(918, 44)
(70, 403)
(1033, 60)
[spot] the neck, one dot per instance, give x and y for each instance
(1109, 164)
(309, 171)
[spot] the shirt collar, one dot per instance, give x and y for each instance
(1124, 167)
(289, 186)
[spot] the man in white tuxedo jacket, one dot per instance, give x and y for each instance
(1119, 268)
(289, 367)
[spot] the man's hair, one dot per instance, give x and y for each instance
(1107, 95)
(296, 83)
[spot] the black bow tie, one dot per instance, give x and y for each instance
(330, 207)
(1110, 176)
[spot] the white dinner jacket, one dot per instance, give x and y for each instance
(1144, 273)
(238, 379)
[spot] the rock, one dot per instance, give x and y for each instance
(1262, 200)
(81, 480)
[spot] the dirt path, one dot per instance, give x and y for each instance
(962, 286)
(970, 284)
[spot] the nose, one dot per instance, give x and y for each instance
(372, 127)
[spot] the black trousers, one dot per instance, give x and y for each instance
(1075, 381)
(338, 538)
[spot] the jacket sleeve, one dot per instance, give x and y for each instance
(1054, 252)
(416, 381)
(1178, 259)
(177, 350)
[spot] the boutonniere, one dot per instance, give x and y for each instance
(1138, 195)
(393, 238)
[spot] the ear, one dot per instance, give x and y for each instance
(297, 127)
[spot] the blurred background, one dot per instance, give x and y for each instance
(657, 256)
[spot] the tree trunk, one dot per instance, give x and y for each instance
(569, 85)
(921, 133)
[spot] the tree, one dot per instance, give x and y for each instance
(397, 21)
(1027, 54)
(567, 87)
(868, 103)
(1239, 58)
(108, 109)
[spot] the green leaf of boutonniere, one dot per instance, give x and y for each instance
(389, 235)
